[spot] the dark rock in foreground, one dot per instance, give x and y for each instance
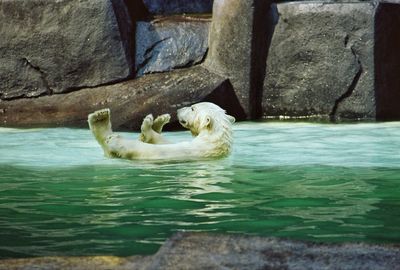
(167, 7)
(170, 43)
(129, 101)
(58, 46)
(207, 251)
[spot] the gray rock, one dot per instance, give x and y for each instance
(321, 60)
(387, 61)
(129, 101)
(238, 38)
(58, 46)
(167, 7)
(74, 263)
(213, 251)
(170, 43)
(207, 251)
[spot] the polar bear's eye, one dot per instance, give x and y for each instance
(192, 109)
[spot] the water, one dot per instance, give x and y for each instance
(318, 182)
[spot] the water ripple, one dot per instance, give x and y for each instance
(303, 181)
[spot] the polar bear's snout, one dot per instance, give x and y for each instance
(183, 116)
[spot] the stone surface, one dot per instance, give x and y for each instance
(167, 7)
(51, 47)
(237, 42)
(129, 101)
(170, 43)
(387, 61)
(321, 62)
(207, 251)
(213, 251)
(74, 263)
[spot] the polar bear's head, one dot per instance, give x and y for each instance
(205, 116)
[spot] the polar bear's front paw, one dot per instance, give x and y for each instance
(160, 121)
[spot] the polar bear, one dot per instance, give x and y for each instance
(208, 123)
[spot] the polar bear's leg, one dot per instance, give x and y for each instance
(160, 122)
(100, 125)
(146, 130)
(148, 134)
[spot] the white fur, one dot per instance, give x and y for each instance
(208, 123)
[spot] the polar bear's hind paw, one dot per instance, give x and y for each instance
(100, 116)
(147, 123)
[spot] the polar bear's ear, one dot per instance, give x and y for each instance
(231, 118)
(206, 122)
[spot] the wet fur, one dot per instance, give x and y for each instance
(208, 123)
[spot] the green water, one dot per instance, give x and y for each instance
(60, 196)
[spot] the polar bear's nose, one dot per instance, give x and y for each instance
(183, 122)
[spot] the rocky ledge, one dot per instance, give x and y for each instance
(129, 101)
(210, 251)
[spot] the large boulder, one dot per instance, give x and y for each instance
(167, 7)
(170, 43)
(208, 251)
(324, 60)
(50, 47)
(238, 38)
(129, 101)
(216, 251)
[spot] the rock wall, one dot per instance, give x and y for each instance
(237, 48)
(170, 43)
(320, 62)
(51, 47)
(168, 7)
(387, 61)
(334, 61)
(129, 101)
(323, 59)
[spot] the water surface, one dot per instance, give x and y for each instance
(318, 182)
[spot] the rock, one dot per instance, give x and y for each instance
(59, 46)
(216, 251)
(170, 43)
(74, 263)
(321, 60)
(129, 101)
(208, 251)
(168, 7)
(387, 61)
(238, 38)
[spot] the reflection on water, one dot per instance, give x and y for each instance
(59, 195)
(345, 196)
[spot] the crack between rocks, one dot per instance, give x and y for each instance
(350, 89)
(155, 45)
(70, 90)
(147, 58)
(43, 75)
(192, 63)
